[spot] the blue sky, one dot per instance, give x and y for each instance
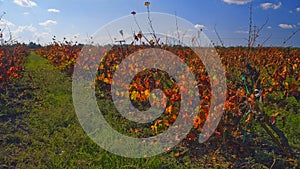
(40, 20)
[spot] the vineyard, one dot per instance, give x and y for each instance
(259, 127)
(274, 71)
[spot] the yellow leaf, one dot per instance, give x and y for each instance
(100, 77)
(133, 95)
(147, 93)
(101, 67)
(106, 80)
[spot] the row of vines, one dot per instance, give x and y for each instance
(12, 59)
(274, 71)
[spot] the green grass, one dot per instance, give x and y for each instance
(39, 129)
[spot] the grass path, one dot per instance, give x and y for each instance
(48, 134)
(56, 134)
(51, 135)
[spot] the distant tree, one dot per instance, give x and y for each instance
(33, 45)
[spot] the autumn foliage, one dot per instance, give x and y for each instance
(271, 70)
(12, 60)
(63, 56)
